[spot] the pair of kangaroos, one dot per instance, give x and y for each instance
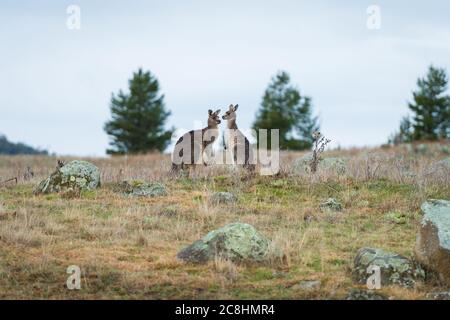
(191, 148)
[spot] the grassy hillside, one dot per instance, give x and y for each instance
(126, 247)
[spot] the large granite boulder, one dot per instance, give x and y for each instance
(433, 239)
(75, 175)
(138, 188)
(394, 268)
(238, 242)
(333, 165)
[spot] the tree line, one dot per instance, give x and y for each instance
(10, 148)
(139, 116)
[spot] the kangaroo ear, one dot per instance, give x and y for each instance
(217, 112)
(231, 107)
(235, 107)
(210, 112)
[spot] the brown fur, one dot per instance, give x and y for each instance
(208, 136)
(235, 136)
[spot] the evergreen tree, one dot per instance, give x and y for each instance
(285, 109)
(138, 118)
(431, 107)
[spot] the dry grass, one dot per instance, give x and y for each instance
(127, 248)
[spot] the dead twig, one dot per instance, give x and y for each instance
(9, 180)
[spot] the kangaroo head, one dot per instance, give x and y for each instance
(231, 113)
(213, 118)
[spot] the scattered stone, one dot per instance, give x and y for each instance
(331, 205)
(223, 197)
(439, 295)
(332, 164)
(307, 285)
(421, 148)
(142, 189)
(444, 149)
(359, 294)
(238, 242)
(76, 174)
(395, 269)
(433, 239)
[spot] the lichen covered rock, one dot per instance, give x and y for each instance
(394, 268)
(142, 189)
(433, 239)
(445, 295)
(308, 285)
(223, 197)
(238, 242)
(358, 294)
(75, 175)
(331, 205)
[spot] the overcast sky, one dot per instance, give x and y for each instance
(56, 83)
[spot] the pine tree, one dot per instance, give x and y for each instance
(285, 109)
(431, 107)
(138, 118)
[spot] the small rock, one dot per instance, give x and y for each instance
(142, 189)
(439, 295)
(444, 149)
(238, 242)
(331, 205)
(76, 174)
(358, 294)
(421, 148)
(223, 197)
(307, 285)
(433, 240)
(395, 269)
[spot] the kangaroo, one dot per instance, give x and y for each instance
(237, 142)
(190, 147)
